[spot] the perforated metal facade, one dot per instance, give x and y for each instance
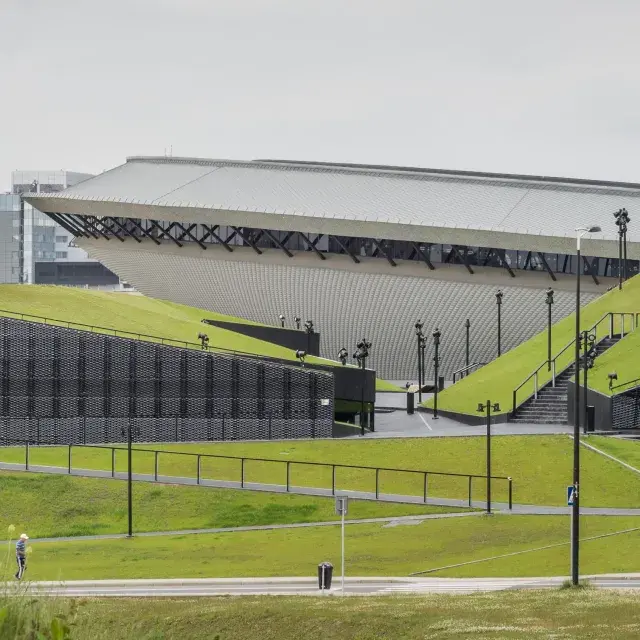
(65, 386)
(625, 410)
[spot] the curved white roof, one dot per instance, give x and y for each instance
(373, 200)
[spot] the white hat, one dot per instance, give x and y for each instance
(24, 536)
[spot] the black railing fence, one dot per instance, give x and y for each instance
(237, 473)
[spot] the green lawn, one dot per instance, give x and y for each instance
(371, 550)
(540, 466)
(142, 315)
(57, 506)
(536, 615)
(626, 450)
(498, 379)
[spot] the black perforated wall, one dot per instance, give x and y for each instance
(65, 386)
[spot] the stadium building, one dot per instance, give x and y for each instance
(363, 251)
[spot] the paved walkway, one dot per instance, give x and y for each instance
(309, 586)
(391, 521)
(314, 491)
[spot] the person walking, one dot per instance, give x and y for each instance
(21, 555)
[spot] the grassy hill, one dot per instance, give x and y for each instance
(139, 314)
(497, 380)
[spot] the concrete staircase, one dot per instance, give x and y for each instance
(550, 407)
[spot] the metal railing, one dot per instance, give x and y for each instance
(635, 383)
(132, 335)
(465, 371)
(565, 358)
(243, 460)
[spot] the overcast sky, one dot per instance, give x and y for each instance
(547, 87)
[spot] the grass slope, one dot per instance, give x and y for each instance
(57, 506)
(498, 379)
(139, 314)
(540, 465)
(626, 450)
(370, 550)
(535, 615)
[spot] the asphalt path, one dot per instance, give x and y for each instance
(322, 492)
(309, 586)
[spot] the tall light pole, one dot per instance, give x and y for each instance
(575, 511)
(589, 343)
(486, 408)
(361, 354)
(129, 482)
(467, 325)
(420, 337)
(549, 303)
(436, 363)
(622, 220)
(499, 296)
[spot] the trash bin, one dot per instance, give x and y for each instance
(410, 402)
(325, 573)
(591, 418)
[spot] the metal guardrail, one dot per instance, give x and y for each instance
(242, 461)
(635, 382)
(132, 335)
(465, 371)
(556, 364)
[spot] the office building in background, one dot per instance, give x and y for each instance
(36, 250)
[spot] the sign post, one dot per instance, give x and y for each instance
(571, 495)
(341, 510)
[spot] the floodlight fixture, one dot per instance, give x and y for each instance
(613, 376)
(282, 318)
(204, 341)
(297, 321)
(301, 355)
(308, 326)
(343, 354)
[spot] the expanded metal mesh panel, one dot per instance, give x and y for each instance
(626, 410)
(96, 430)
(68, 386)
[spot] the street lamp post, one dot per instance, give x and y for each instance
(420, 337)
(436, 363)
(486, 408)
(467, 325)
(360, 356)
(622, 220)
(588, 340)
(549, 303)
(129, 482)
(575, 511)
(499, 296)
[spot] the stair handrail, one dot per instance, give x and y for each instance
(464, 371)
(553, 363)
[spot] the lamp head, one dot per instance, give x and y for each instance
(436, 334)
(499, 296)
(281, 317)
(612, 376)
(496, 406)
(301, 355)
(467, 324)
(480, 407)
(549, 293)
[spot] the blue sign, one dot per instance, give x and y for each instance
(570, 494)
